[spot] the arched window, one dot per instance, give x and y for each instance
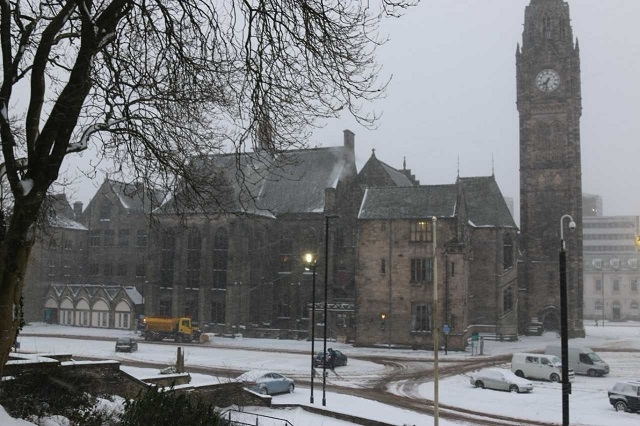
(168, 255)
(220, 258)
(194, 251)
(507, 299)
(546, 27)
(507, 251)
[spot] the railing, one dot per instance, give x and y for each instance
(226, 416)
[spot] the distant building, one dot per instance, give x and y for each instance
(592, 205)
(611, 273)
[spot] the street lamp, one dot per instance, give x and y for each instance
(566, 386)
(436, 415)
(312, 262)
(326, 275)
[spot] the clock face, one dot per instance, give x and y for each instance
(547, 80)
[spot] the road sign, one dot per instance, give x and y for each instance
(446, 329)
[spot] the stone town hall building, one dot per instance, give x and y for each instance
(371, 231)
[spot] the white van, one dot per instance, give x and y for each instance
(581, 359)
(538, 366)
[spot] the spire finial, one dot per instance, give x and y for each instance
(458, 165)
(493, 173)
(404, 163)
(373, 152)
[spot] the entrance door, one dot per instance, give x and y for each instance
(616, 313)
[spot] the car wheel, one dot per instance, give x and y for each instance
(592, 373)
(264, 391)
(479, 384)
(554, 377)
(291, 388)
(620, 406)
(514, 388)
(519, 373)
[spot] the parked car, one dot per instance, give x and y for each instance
(333, 357)
(625, 396)
(266, 382)
(538, 366)
(500, 379)
(126, 344)
(582, 360)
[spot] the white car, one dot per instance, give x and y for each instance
(500, 379)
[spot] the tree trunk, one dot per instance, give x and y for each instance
(14, 255)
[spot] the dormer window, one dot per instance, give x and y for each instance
(633, 263)
(597, 263)
(615, 263)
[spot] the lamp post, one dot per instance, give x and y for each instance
(435, 324)
(602, 288)
(312, 262)
(566, 386)
(326, 275)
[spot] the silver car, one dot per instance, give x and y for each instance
(266, 382)
(500, 379)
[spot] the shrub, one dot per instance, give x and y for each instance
(37, 394)
(166, 408)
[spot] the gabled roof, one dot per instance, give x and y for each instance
(289, 182)
(378, 173)
(485, 203)
(134, 197)
(413, 202)
(61, 214)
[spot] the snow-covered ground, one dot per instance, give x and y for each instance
(589, 404)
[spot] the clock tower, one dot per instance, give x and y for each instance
(550, 105)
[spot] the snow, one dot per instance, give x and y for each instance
(26, 185)
(618, 344)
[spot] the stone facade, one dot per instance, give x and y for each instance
(469, 255)
(549, 103)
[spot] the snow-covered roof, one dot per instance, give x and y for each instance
(289, 182)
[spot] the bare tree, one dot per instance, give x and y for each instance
(154, 83)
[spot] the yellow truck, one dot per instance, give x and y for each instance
(177, 329)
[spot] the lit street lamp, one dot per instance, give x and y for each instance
(566, 385)
(326, 275)
(312, 262)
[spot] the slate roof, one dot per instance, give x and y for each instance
(291, 182)
(484, 201)
(399, 178)
(134, 198)
(61, 214)
(413, 202)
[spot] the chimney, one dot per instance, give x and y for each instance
(329, 200)
(349, 140)
(77, 209)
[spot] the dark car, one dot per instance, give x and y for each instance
(333, 357)
(625, 396)
(126, 344)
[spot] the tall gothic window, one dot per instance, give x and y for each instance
(220, 258)
(422, 270)
(507, 299)
(507, 251)
(167, 257)
(420, 317)
(546, 27)
(194, 249)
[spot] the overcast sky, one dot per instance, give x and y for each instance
(453, 94)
